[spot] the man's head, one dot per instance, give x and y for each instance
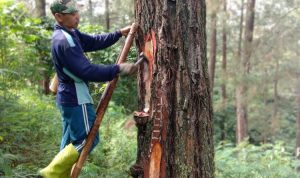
(63, 6)
(65, 13)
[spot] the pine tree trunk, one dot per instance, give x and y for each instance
(90, 11)
(107, 18)
(40, 11)
(298, 127)
(40, 8)
(274, 119)
(239, 107)
(224, 70)
(213, 48)
(241, 94)
(175, 136)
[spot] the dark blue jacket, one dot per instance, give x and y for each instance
(73, 69)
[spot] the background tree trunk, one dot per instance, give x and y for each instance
(107, 18)
(274, 119)
(298, 126)
(176, 139)
(40, 12)
(40, 8)
(242, 118)
(224, 72)
(213, 45)
(90, 11)
(238, 56)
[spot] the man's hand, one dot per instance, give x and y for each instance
(127, 68)
(125, 30)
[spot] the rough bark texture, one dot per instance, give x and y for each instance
(241, 94)
(176, 138)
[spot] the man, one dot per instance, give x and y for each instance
(74, 71)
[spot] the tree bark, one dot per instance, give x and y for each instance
(40, 8)
(241, 106)
(213, 47)
(241, 94)
(107, 18)
(274, 119)
(90, 11)
(242, 117)
(224, 70)
(174, 118)
(298, 126)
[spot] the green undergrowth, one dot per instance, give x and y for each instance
(30, 132)
(250, 161)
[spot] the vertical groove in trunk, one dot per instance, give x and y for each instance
(180, 111)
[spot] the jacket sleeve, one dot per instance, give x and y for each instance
(97, 42)
(79, 65)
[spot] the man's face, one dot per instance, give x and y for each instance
(69, 21)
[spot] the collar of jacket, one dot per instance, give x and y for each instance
(59, 27)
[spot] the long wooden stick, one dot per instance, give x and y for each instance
(105, 98)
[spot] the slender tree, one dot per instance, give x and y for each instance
(90, 11)
(174, 121)
(298, 125)
(40, 12)
(224, 70)
(107, 17)
(242, 118)
(213, 42)
(274, 119)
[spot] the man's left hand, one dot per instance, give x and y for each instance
(125, 30)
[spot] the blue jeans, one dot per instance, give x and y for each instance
(77, 122)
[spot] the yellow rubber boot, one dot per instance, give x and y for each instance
(62, 163)
(67, 173)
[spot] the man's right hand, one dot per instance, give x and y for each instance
(127, 68)
(124, 31)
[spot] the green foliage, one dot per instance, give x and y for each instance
(250, 161)
(29, 131)
(30, 128)
(24, 46)
(117, 149)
